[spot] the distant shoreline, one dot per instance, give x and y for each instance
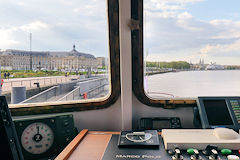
(162, 72)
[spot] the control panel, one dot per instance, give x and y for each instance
(236, 108)
(44, 136)
(158, 123)
(200, 144)
(209, 153)
(219, 112)
(9, 143)
(175, 144)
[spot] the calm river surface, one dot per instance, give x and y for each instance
(194, 83)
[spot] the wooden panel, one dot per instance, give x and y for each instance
(92, 147)
(105, 132)
(71, 146)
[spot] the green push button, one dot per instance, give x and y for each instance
(226, 151)
(190, 151)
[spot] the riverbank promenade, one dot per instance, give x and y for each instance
(35, 82)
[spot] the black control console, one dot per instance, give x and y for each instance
(114, 152)
(9, 145)
(210, 153)
(146, 139)
(44, 136)
(158, 123)
(219, 112)
(198, 155)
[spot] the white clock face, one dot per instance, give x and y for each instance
(37, 138)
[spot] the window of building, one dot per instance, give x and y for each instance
(38, 32)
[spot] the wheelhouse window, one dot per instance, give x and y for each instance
(54, 51)
(191, 48)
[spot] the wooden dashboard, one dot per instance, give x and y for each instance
(87, 145)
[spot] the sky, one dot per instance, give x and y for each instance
(56, 25)
(191, 30)
(186, 30)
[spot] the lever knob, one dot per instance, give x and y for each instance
(195, 155)
(232, 157)
(177, 155)
(214, 154)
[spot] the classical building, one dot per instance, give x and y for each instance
(32, 60)
(102, 62)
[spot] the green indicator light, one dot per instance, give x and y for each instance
(190, 151)
(46, 130)
(226, 151)
(48, 134)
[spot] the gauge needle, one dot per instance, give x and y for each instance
(37, 129)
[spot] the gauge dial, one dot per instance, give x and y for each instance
(37, 138)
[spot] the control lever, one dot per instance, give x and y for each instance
(208, 150)
(195, 155)
(214, 155)
(177, 155)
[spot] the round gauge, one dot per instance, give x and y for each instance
(37, 138)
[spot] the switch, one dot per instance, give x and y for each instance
(66, 123)
(195, 155)
(67, 139)
(214, 155)
(226, 151)
(178, 154)
(207, 151)
(68, 131)
(232, 157)
(190, 151)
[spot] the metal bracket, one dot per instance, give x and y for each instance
(134, 24)
(168, 105)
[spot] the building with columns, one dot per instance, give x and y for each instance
(102, 62)
(31, 60)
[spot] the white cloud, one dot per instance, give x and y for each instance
(149, 6)
(179, 1)
(177, 35)
(21, 3)
(233, 48)
(229, 28)
(7, 39)
(93, 8)
(66, 2)
(55, 25)
(184, 15)
(35, 26)
(166, 14)
(167, 5)
(208, 48)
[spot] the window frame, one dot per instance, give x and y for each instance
(138, 65)
(91, 104)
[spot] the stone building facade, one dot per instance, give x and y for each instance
(102, 62)
(26, 60)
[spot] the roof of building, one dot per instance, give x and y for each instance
(22, 52)
(73, 52)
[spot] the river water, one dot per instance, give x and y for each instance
(194, 84)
